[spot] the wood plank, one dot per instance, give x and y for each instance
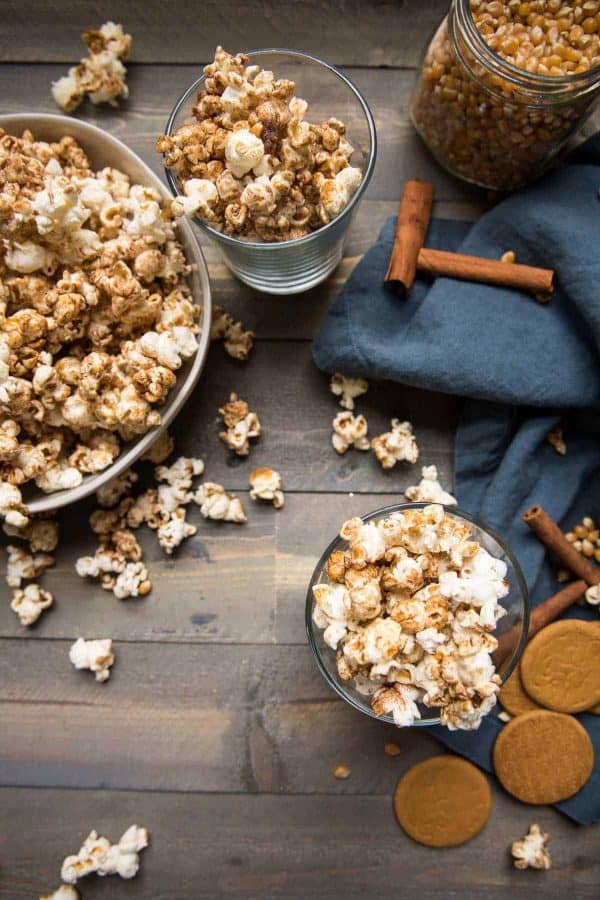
(345, 32)
(200, 718)
(282, 848)
(227, 585)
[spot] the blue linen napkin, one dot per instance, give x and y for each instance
(522, 368)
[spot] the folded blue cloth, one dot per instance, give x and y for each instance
(522, 367)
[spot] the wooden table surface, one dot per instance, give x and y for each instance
(216, 730)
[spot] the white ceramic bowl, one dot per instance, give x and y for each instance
(105, 150)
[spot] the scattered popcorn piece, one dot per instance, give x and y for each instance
(216, 503)
(266, 484)
(592, 595)
(64, 892)
(40, 534)
(397, 445)
(347, 389)
(531, 851)
(109, 494)
(12, 508)
(23, 566)
(349, 431)
(181, 473)
(95, 655)
(341, 771)
(242, 425)
(504, 716)
(101, 74)
(133, 581)
(161, 449)
(30, 602)
(391, 749)
(237, 342)
(555, 439)
(98, 855)
(429, 490)
(175, 531)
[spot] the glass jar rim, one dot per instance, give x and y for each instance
(266, 246)
(552, 85)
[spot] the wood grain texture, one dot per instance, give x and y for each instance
(229, 584)
(283, 848)
(344, 32)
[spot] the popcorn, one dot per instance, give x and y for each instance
(429, 490)
(242, 425)
(113, 491)
(175, 531)
(592, 595)
(64, 892)
(161, 449)
(408, 607)
(30, 602)
(250, 164)
(347, 389)
(216, 503)
(41, 534)
(12, 507)
(101, 74)
(349, 431)
(98, 855)
(133, 581)
(97, 656)
(23, 566)
(97, 318)
(531, 852)
(397, 445)
(266, 484)
(237, 342)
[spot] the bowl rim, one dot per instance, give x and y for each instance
(380, 513)
(77, 127)
(271, 246)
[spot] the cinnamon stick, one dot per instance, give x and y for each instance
(488, 271)
(552, 537)
(411, 227)
(541, 616)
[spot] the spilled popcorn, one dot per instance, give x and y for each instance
(101, 74)
(349, 431)
(98, 855)
(347, 389)
(242, 425)
(64, 892)
(97, 656)
(250, 164)
(531, 852)
(396, 445)
(429, 490)
(266, 484)
(409, 607)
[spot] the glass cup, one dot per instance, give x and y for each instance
(511, 630)
(290, 267)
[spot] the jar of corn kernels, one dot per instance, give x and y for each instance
(504, 85)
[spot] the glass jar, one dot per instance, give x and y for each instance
(487, 120)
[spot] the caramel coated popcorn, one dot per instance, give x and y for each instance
(96, 655)
(409, 607)
(266, 484)
(101, 74)
(242, 425)
(251, 165)
(531, 852)
(487, 127)
(397, 445)
(98, 855)
(95, 316)
(429, 490)
(347, 389)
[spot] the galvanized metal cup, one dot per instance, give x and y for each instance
(293, 266)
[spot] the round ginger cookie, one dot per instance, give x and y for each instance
(560, 668)
(543, 756)
(443, 801)
(512, 695)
